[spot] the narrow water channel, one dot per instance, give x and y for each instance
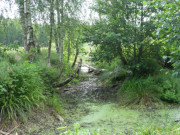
(96, 108)
(105, 114)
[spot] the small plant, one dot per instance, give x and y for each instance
(78, 131)
(168, 129)
(75, 80)
(55, 102)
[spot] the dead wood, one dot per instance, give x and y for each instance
(72, 76)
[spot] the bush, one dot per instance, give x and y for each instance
(150, 89)
(21, 88)
(136, 91)
(49, 77)
(170, 87)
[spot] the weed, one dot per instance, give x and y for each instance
(78, 131)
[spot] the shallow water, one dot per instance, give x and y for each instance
(109, 118)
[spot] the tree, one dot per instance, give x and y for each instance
(51, 28)
(168, 31)
(125, 32)
(26, 22)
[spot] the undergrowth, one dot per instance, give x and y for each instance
(78, 131)
(21, 88)
(25, 86)
(151, 89)
(168, 129)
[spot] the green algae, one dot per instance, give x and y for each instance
(109, 118)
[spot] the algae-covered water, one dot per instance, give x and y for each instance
(109, 118)
(103, 113)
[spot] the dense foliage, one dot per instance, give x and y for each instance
(21, 89)
(144, 36)
(10, 31)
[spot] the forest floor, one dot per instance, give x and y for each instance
(95, 107)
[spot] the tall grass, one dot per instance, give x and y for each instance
(161, 87)
(21, 88)
(25, 86)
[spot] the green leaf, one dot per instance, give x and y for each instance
(144, 2)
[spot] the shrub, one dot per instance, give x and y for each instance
(20, 89)
(136, 91)
(170, 87)
(150, 89)
(49, 77)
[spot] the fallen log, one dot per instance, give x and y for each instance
(72, 76)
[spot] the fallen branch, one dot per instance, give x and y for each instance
(90, 69)
(2, 132)
(8, 133)
(72, 76)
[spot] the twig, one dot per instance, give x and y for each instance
(12, 130)
(8, 133)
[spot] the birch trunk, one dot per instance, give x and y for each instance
(30, 37)
(59, 25)
(62, 33)
(51, 27)
(56, 38)
(23, 23)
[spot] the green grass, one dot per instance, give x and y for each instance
(151, 89)
(169, 129)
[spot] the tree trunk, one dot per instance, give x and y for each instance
(72, 76)
(23, 23)
(123, 60)
(76, 56)
(30, 37)
(59, 25)
(56, 38)
(50, 34)
(62, 33)
(135, 33)
(142, 21)
(37, 45)
(68, 50)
